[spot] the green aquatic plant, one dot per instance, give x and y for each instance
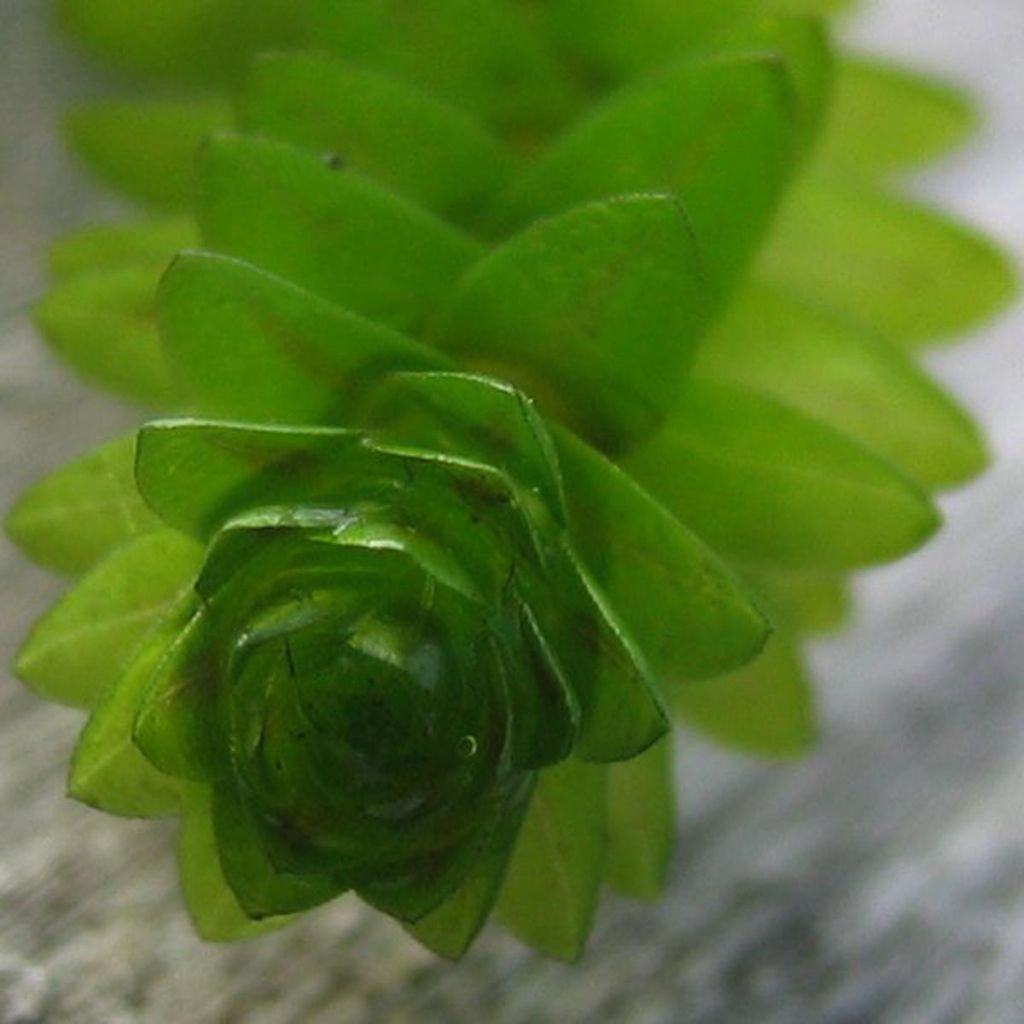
(539, 370)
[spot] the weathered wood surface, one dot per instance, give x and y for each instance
(880, 881)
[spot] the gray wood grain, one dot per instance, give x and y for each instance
(881, 880)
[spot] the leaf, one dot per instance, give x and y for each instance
(893, 266)
(765, 708)
(885, 118)
(718, 133)
(333, 232)
(765, 485)
(101, 324)
(551, 890)
(73, 518)
(804, 602)
(594, 313)
(251, 346)
(400, 136)
(846, 377)
(84, 642)
(450, 929)
(148, 243)
(212, 906)
(108, 771)
(482, 55)
(618, 38)
(641, 822)
(146, 149)
(686, 611)
(189, 41)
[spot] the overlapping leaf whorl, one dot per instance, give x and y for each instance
(497, 318)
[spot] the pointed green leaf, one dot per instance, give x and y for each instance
(101, 324)
(108, 771)
(148, 243)
(193, 41)
(885, 118)
(641, 822)
(261, 890)
(482, 55)
(72, 519)
(847, 378)
(767, 485)
(146, 149)
(719, 133)
(593, 312)
(86, 639)
(250, 346)
(329, 230)
(554, 878)
(765, 708)
(400, 136)
(212, 907)
(686, 611)
(896, 267)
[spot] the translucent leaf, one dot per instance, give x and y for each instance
(684, 608)
(804, 602)
(766, 485)
(83, 643)
(108, 771)
(885, 118)
(846, 377)
(765, 708)
(73, 518)
(149, 243)
(896, 267)
(146, 149)
(482, 55)
(400, 136)
(101, 324)
(248, 345)
(719, 133)
(594, 313)
(205, 41)
(554, 878)
(212, 906)
(329, 230)
(641, 822)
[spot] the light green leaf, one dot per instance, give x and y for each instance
(193, 41)
(804, 602)
(84, 642)
(148, 243)
(482, 55)
(885, 118)
(641, 822)
(720, 133)
(212, 906)
(101, 324)
(766, 485)
(402, 137)
(72, 519)
(250, 346)
(329, 230)
(685, 610)
(847, 378)
(146, 149)
(896, 267)
(554, 878)
(108, 771)
(765, 708)
(594, 313)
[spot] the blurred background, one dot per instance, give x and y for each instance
(880, 880)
